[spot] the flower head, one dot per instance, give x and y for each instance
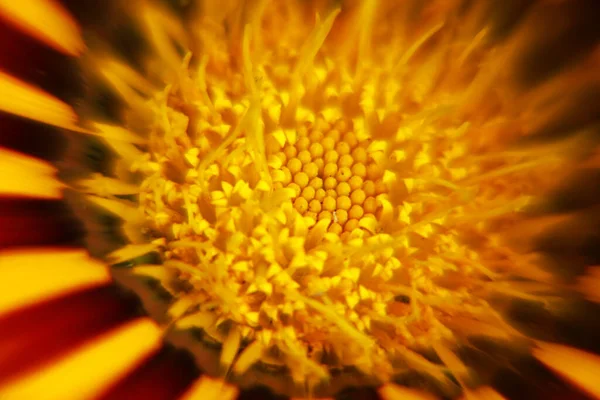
(326, 187)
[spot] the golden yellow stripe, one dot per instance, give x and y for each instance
(576, 366)
(33, 275)
(207, 388)
(391, 391)
(22, 99)
(482, 393)
(47, 21)
(91, 370)
(24, 175)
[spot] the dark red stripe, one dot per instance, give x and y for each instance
(29, 60)
(358, 393)
(565, 32)
(259, 393)
(32, 138)
(35, 336)
(109, 22)
(90, 13)
(37, 222)
(529, 379)
(165, 375)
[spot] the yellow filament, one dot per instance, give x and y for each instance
(230, 347)
(249, 356)
(417, 44)
(360, 338)
(313, 44)
(367, 17)
(130, 252)
(161, 28)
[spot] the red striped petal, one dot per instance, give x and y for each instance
(58, 30)
(98, 364)
(36, 222)
(163, 376)
(37, 335)
(30, 61)
(31, 138)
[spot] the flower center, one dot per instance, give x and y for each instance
(316, 216)
(333, 175)
(257, 249)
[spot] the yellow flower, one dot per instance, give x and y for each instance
(311, 196)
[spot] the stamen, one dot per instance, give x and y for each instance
(230, 347)
(248, 357)
(129, 84)
(162, 29)
(366, 21)
(130, 252)
(416, 45)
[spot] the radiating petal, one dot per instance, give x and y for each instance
(29, 137)
(207, 388)
(164, 375)
(130, 252)
(47, 21)
(391, 391)
(24, 175)
(483, 393)
(39, 334)
(25, 100)
(37, 222)
(93, 368)
(576, 366)
(29, 276)
(589, 283)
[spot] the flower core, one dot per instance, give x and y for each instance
(317, 212)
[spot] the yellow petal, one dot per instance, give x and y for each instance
(164, 32)
(130, 252)
(589, 284)
(454, 364)
(126, 210)
(105, 187)
(576, 366)
(483, 393)
(396, 392)
(47, 21)
(207, 388)
(32, 275)
(230, 347)
(115, 132)
(22, 99)
(93, 368)
(132, 87)
(24, 175)
(249, 357)
(314, 43)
